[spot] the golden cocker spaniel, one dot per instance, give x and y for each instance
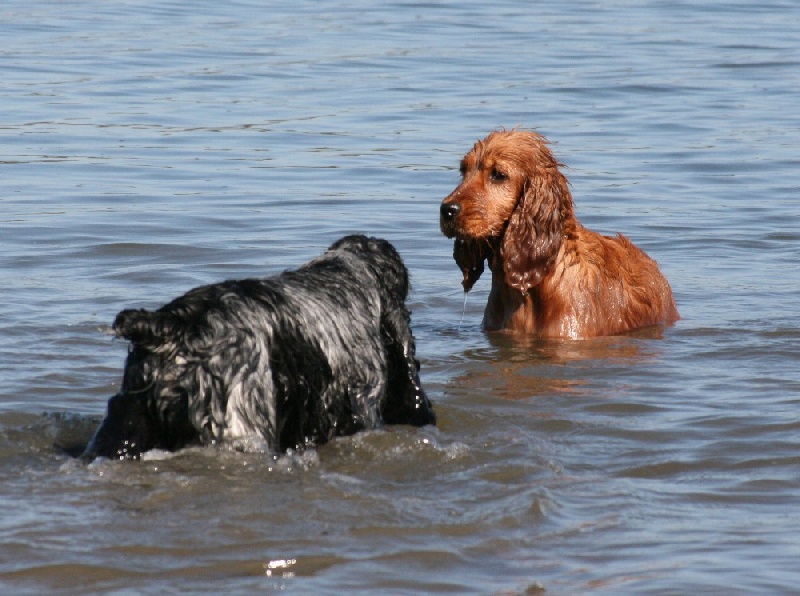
(551, 277)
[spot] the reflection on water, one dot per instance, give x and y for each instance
(519, 367)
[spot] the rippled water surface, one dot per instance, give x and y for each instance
(148, 147)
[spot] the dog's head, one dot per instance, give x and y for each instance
(381, 258)
(512, 199)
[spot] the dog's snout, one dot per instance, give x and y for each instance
(449, 211)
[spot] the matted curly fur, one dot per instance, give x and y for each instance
(296, 359)
(551, 277)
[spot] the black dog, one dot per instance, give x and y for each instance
(297, 359)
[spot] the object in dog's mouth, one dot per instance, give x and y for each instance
(294, 360)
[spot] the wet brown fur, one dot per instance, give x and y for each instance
(551, 277)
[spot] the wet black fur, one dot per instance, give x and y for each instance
(296, 359)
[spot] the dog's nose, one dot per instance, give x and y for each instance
(449, 211)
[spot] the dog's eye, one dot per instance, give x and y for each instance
(462, 168)
(498, 176)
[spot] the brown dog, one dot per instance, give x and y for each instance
(551, 277)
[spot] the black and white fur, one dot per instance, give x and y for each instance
(296, 359)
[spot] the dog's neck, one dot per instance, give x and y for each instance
(510, 309)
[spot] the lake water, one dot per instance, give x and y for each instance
(148, 147)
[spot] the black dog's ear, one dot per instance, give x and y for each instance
(389, 267)
(470, 256)
(406, 401)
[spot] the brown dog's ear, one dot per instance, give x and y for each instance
(535, 229)
(469, 256)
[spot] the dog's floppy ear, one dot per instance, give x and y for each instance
(406, 401)
(535, 229)
(470, 256)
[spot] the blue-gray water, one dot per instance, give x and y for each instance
(148, 147)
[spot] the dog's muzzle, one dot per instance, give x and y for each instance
(448, 213)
